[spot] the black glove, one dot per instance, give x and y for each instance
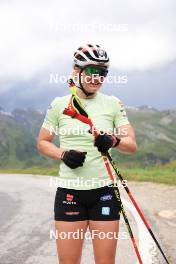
(105, 142)
(73, 158)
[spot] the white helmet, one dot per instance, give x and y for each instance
(90, 54)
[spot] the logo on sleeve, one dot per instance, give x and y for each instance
(105, 211)
(50, 107)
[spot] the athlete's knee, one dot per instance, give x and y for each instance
(105, 260)
(69, 260)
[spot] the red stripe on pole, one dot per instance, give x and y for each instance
(136, 250)
(139, 211)
(108, 169)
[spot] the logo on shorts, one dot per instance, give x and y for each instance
(69, 199)
(72, 213)
(106, 197)
(105, 211)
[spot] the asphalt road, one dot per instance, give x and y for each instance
(26, 222)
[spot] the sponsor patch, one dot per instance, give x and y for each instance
(106, 197)
(72, 213)
(105, 210)
(69, 199)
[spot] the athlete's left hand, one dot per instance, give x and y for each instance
(105, 142)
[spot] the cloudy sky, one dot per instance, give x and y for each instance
(38, 38)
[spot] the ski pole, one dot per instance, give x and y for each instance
(136, 205)
(117, 194)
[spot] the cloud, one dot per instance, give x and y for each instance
(39, 35)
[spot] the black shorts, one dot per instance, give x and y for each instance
(77, 205)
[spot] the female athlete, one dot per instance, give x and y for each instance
(85, 197)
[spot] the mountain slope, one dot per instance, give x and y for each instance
(18, 132)
(155, 134)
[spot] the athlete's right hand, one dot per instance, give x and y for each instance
(73, 158)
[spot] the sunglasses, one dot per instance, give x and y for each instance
(92, 70)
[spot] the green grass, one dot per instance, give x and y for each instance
(150, 174)
(159, 174)
(53, 171)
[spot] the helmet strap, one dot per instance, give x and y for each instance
(81, 86)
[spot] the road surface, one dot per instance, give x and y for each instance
(27, 226)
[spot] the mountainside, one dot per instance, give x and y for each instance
(18, 132)
(155, 133)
